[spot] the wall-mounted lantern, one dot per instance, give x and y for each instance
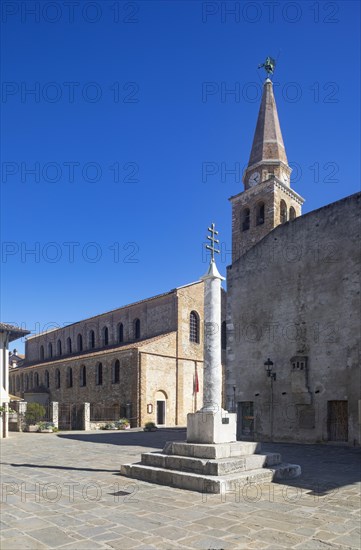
(149, 408)
(269, 365)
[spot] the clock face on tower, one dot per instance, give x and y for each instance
(254, 179)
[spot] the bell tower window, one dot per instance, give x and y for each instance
(245, 219)
(260, 213)
(283, 212)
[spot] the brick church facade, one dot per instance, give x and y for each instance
(143, 361)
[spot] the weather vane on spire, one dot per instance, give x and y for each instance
(213, 240)
(269, 66)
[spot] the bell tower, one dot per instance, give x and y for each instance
(267, 199)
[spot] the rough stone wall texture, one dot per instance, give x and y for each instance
(163, 363)
(190, 298)
(297, 293)
(156, 315)
(270, 193)
(105, 395)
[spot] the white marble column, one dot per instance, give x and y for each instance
(212, 424)
(212, 374)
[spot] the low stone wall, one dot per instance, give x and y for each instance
(97, 425)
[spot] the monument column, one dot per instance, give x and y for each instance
(212, 374)
(212, 424)
(211, 460)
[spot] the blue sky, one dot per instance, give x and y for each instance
(129, 103)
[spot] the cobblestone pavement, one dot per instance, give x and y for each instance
(64, 491)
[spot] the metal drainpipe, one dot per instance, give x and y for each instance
(139, 370)
(176, 365)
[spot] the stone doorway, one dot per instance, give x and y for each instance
(245, 420)
(161, 401)
(160, 412)
(337, 420)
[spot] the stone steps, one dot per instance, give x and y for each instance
(210, 467)
(214, 467)
(208, 483)
(212, 451)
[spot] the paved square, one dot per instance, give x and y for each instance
(64, 491)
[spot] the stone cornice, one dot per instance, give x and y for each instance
(260, 188)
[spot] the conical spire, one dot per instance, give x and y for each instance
(267, 142)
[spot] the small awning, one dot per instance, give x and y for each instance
(15, 398)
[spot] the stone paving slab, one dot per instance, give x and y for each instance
(64, 491)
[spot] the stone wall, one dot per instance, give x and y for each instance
(161, 365)
(156, 315)
(270, 193)
(295, 297)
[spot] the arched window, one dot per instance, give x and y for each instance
(292, 213)
(18, 383)
(105, 336)
(31, 382)
(46, 379)
(120, 333)
(68, 345)
(10, 384)
(50, 349)
(58, 347)
(69, 377)
(36, 380)
(92, 339)
(22, 382)
(57, 378)
(42, 354)
(116, 372)
(137, 329)
(224, 335)
(283, 212)
(80, 342)
(99, 374)
(260, 213)
(245, 219)
(83, 375)
(194, 327)
(26, 381)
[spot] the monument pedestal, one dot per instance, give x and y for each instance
(211, 460)
(208, 427)
(210, 468)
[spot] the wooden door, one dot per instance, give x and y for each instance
(245, 420)
(337, 420)
(160, 412)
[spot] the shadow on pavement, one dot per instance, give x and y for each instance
(325, 468)
(47, 466)
(155, 440)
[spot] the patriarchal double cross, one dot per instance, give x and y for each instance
(213, 240)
